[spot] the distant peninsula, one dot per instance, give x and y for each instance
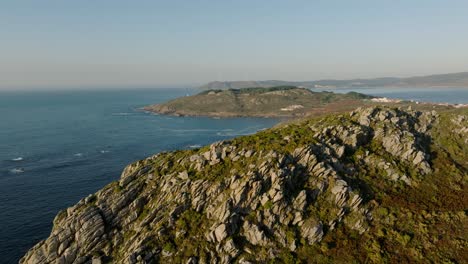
(280, 101)
(438, 80)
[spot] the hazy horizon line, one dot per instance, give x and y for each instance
(193, 85)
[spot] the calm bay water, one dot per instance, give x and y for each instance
(58, 147)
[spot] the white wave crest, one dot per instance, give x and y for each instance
(17, 170)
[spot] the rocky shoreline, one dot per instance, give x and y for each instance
(379, 101)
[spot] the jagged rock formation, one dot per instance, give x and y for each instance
(287, 194)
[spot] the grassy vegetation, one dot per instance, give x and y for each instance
(421, 224)
(266, 102)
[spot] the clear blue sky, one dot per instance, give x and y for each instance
(105, 43)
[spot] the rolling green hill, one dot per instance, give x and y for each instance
(282, 101)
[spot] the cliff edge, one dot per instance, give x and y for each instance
(374, 185)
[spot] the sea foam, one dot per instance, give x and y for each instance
(17, 170)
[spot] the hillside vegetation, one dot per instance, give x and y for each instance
(282, 101)
(377, 185)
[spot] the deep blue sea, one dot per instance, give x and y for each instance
(58, 147)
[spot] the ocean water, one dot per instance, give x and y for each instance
(58, 147)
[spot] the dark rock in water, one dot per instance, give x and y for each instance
(370, 186)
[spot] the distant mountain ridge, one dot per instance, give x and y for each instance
(437, 80)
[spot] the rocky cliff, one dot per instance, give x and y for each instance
(374, 185)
